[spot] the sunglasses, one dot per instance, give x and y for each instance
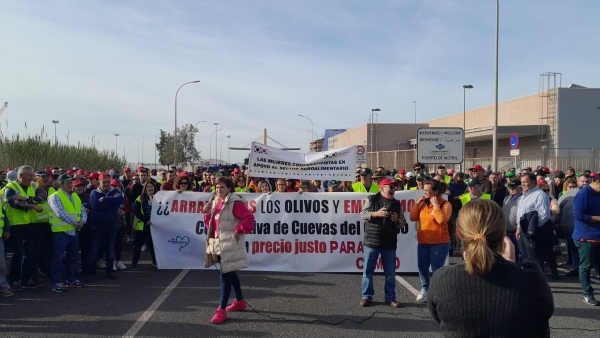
(417, 169)
(135, 179)
(186, 183)
(546, 190)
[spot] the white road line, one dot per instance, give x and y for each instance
(592, 278)
(146, 315)
(407, 285)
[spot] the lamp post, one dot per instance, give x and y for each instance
(415, 102)
(175, 138)
(312, 127)
(221, 154)
(55, 123)
(117, 144)
(142, 151)
(138, 159)
(210, 146)
(216, 144)
(124, 153)
(495, 134)
(372, 120)
(465, 87)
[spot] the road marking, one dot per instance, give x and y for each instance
(135, 328)
(591, 278)
(407, 285)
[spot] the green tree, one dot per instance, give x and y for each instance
(186, 149)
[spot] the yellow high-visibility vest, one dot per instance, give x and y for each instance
(359, 187)
(72, 208)
(17, 216)
(465, 198)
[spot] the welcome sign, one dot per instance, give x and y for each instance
(337, 164)
(309, 232)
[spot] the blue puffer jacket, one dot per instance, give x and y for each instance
(105, 213)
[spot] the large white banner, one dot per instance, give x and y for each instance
(336, 164)
(310, 232)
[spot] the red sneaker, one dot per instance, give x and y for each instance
(219, 317)
(237, 305)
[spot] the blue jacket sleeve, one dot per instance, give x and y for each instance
(21, 205)
(579, 206)
(113, 200)
(95, 202)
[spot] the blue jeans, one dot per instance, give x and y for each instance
(513, 238)
(103, 240)
(571, 248)
(388, 261)
(64, 243)
(433, 255)
(229, 280)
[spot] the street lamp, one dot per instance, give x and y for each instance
(117, 144)
(221, 155)
(415, 102)
(465, 87)
(142, 151)
(312, 127)
(216, 144)
(372, 120)
(175, 138)
(495, 134)
(125, 154)
(210, 146)
(138, 160)
(55, 123)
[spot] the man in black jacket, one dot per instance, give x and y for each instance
(384, 218)
(499, 192)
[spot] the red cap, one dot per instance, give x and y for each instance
(127, 169)
(49, 171)
(70, 172)
(387, 181)
(402, 172)
(541, 181)
(594, 174)
(140, 169)
(451, 172)
(477, 167)
(103, 176)
(556, 171)
(78, 183)
(115, 182)
(546, 170)
(236, 171)
(182, 173)
(113, 169)
(94, 175)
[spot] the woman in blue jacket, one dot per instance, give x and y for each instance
(142, 223)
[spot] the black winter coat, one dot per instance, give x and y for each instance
(381, 233)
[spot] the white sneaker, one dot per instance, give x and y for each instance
(121, 266)
(422, 296)
(101, 265)
(114, 266)
(144, 248)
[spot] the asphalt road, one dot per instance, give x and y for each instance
(175, 303)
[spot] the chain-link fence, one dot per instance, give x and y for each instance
(580, 159)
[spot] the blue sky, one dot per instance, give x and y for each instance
(114, 66)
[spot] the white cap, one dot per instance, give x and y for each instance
(12, 176)
(410, 174)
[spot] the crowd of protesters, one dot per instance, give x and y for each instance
(56, 217)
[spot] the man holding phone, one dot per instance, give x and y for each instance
(383, 220)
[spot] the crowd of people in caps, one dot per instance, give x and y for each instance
(54, 218)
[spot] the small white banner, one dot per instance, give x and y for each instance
(337, 164)
(310, 232)
(440, 145)
(515, 152)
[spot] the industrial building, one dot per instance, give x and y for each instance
(555, 127)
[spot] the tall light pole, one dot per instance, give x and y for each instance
(465, 87)
(142, 151)
(221, 154)
(312, 127)
(55, 123)
(314, 134)
(138, 160)
(372, 120)
(175, 138)
(124, 153)
(117, 144)
(216, 144)
(495, 134)
(415, 102)
(228, 161)
(210, 146)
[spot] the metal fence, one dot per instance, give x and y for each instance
(554, 158)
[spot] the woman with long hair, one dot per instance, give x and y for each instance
(142, 223)
(432, 213)
(228, 220)
(280, 186)
(182, 183)
(488, 294)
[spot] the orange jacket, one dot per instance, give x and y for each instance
(433, 222)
